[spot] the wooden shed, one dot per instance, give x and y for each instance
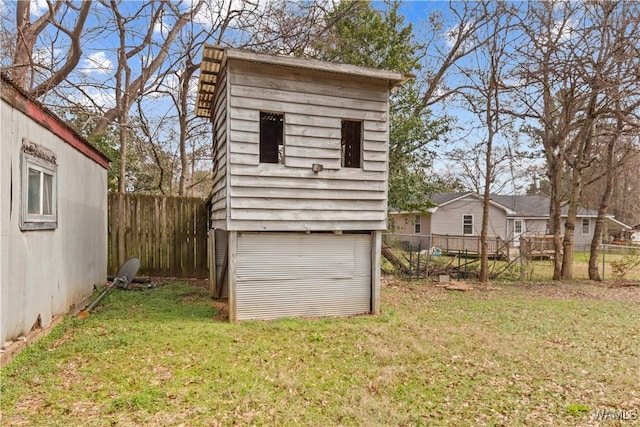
(299, 199)
(53, 215)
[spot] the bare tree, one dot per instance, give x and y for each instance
(483, 92)
(468, 22)
(27, 33)
(547, 100)
(571, 52)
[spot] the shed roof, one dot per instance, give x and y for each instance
(214, 56)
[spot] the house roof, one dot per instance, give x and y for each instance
(39, 113)
(213, 59)
(529, 206)
(522, 205)
(444, 198)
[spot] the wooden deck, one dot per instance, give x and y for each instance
(470, 245)
(537, 246)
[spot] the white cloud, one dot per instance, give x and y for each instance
(39, 7)
(564, 29)
(96, 98)
(161, 27)
(97, 63)
(44, 56)
(452, 36)
(213, 12)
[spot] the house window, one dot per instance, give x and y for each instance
(39, 188)
(467, 224)
(517, 226)
(416, 224)
(351, 144)
(586, 225)
(271, 137)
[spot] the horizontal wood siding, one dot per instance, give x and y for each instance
(219, 190)
(290, 196)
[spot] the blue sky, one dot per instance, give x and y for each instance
(98, 63)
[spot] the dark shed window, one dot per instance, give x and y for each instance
(351, 144)
(271, 137)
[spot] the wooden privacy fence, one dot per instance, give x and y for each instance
(167, 234)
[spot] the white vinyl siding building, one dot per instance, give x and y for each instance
(510, 217)
(301, 151)
(464, 217)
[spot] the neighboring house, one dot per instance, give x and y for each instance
(510, 217)
(53, 215)
(298, 205)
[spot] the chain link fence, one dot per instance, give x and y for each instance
(414, 256)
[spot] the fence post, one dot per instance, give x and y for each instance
(426, 267)
(410, 260)
(418, 268)
(521, 263)
(466, 256)
(603, 251)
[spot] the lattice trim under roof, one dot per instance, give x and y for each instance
(209, 69)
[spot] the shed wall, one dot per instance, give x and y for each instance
(301, 275)
(291, 196)
(220, 134)
(44, 273)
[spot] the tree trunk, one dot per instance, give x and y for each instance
(484, 256)
(27, 34)
(604, 203)
(134, 88)
(184, 124)
(555, 218)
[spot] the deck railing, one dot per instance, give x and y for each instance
(449, 243)
(537, 246)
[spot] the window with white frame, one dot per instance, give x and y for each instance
(39, 188)
(467, 224)
(416, 224)
(517, 226)
(586, 225)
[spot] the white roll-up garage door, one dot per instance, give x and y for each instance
(302, 275)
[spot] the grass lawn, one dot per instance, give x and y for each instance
(535, 354)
